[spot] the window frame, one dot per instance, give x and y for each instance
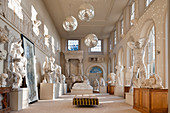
(132, 13)
(97, 53)
(151, 65)
(78, 44)
(150, 1)
(115, 36)
(122, 27)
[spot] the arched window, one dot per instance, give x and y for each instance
(96, 70)
(151, 53)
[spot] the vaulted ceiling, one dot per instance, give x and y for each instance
(107, 12)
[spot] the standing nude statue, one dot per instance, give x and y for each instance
(139, 70)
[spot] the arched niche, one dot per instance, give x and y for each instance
(129, 53)
(104, 74)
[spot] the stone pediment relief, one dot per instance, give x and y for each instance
(74, 55)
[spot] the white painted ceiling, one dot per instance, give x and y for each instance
(107, 12)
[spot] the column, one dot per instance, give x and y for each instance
(67, 68)
(80, 67)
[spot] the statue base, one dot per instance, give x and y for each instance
(103, 89)
(129, 98)
(19, 99)
(119, 91)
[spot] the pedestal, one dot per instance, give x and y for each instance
(19, 99)
(110, 89)
(61, 89)
(57, 90)
(119, 91)
(129, 98)
(103, 89)
(126, 90)
(47, 91)
(81, 91)
(65, 89)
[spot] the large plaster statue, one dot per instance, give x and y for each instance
(129, 74)
(47, 76)
(3, 78)
(119, 68)
(139, 54)
(80, 68)
(3, 54)
(3, 35)
(153, 82)
(63, 79)
(96, 85)
(111, 79)
(18, 64)
(102, 81)
(52, 69)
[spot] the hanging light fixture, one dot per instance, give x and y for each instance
(70, 23)
(86, 12)
(91, 40)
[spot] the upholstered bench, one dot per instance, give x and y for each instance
(85, 100)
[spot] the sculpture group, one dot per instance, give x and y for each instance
(52, 72)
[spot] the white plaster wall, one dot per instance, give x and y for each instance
(156, 12)
(24, 26)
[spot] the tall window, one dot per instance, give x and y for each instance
(96, 70)
(132, 12)
(121, 26)
(115, 37)
(73, 45)
(147, 2)
(151, 52)
(97, 48)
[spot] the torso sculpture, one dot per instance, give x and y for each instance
(47, 76)
(139, 54)
(129, 74)
(111, 79)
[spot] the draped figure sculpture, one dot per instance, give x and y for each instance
(119, 79)
(102, 81)
(111, 79)
(139, 54)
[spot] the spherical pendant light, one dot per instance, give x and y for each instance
(91, 40)
(70, 23)
(86, 12)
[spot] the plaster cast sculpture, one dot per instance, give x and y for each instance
(52, 69)
(47, 76)
(119, 68)
(63, 79)
(82, 86)
(129, 74)
(96, 85)
(16, 50)
(3, 54)
(102, 82)
(18, 64)
(139, 54)
(3, 35)
(111, 78)
(80, 65)
(3, 78)
(153, 82)
(56, 74)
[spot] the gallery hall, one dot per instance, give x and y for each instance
(84, 56)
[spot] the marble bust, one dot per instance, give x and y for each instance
(111, 79)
